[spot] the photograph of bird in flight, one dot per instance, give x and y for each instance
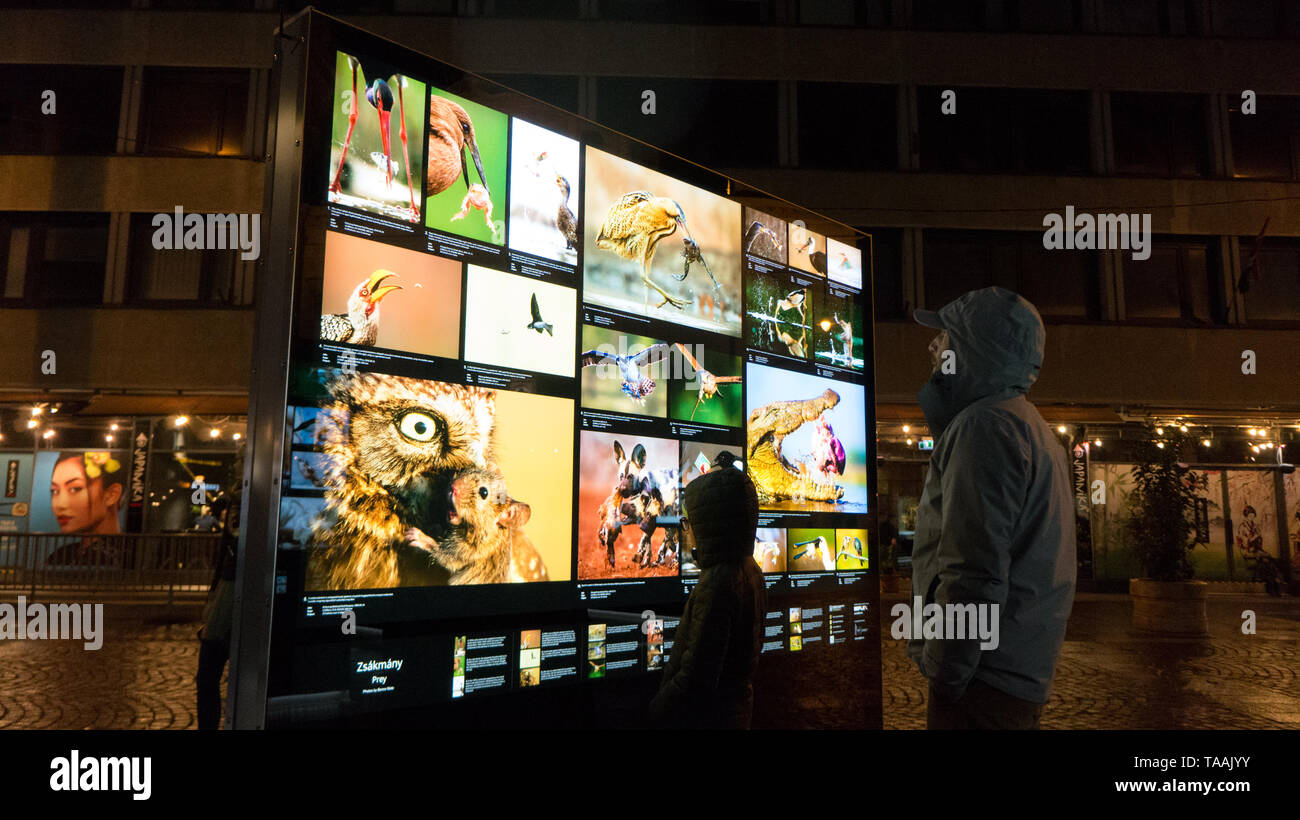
(378, 295)
(622, 372)
(655, 246)
(372, 152)
(543, 193)
(466, 183)
(519, 322)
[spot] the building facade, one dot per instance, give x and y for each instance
(949, 131)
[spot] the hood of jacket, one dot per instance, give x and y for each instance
(997, 341)
(722, 507)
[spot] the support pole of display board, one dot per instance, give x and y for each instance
(255, 578)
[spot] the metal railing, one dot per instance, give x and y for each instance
(148, 562)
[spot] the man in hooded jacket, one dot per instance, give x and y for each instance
(709, 680)
(995, 524)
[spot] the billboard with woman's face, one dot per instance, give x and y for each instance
(80, 492)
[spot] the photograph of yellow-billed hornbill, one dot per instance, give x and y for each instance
(807, 250)
(805, 441)
(655, 246)
(519, 321)
(543, 192)
(837, 331)
(378, 295)
(371, 166)
(765, 235)
(432, 483)
(466, 185)
(843, 263)
(779, 315)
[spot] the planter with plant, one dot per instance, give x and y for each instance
(1162, 527)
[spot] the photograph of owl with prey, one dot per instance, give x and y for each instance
(654, 246)
(430, 484)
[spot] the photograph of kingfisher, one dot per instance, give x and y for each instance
(364, 167)
(360, 325)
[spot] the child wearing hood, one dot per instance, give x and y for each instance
(709, 680)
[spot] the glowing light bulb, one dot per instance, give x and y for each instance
(1096, 443)
(907, 428)
(32, 424)
(181, 421)
(36, 411)
(1060, 428)
(1160, 431)
(214, 432)
(1205, 442)
(113, 427)
(1160, 444)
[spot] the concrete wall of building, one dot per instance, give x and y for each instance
(1174, 367)
(128, 349)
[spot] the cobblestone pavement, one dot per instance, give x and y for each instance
(1109, 676)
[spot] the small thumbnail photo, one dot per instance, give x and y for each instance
(851, 550)
(765, 235)
(518, 321)
(807, 250)
(844, 263)
(769, 549)
(543, 193)
(466, 185)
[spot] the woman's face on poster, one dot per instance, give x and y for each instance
(78, 503)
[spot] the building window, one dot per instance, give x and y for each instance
(948, 15)
(887, 272)
(1271, 279)
(560, 91)
(84, 119)
(873, 13)
(1254, 18)
(1044, 16)
(1004, 131)
(1160, 134)
(206, 275)
(1266, 144)
(1174, 284)
(717, 123)
(54, 258)
(848, 126)
(195, 111)
(1062, 284)
(687, 11)
(1168, 17)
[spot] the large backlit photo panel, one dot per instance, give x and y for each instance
(654, 246)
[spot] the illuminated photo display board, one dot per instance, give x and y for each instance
(513, 338)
